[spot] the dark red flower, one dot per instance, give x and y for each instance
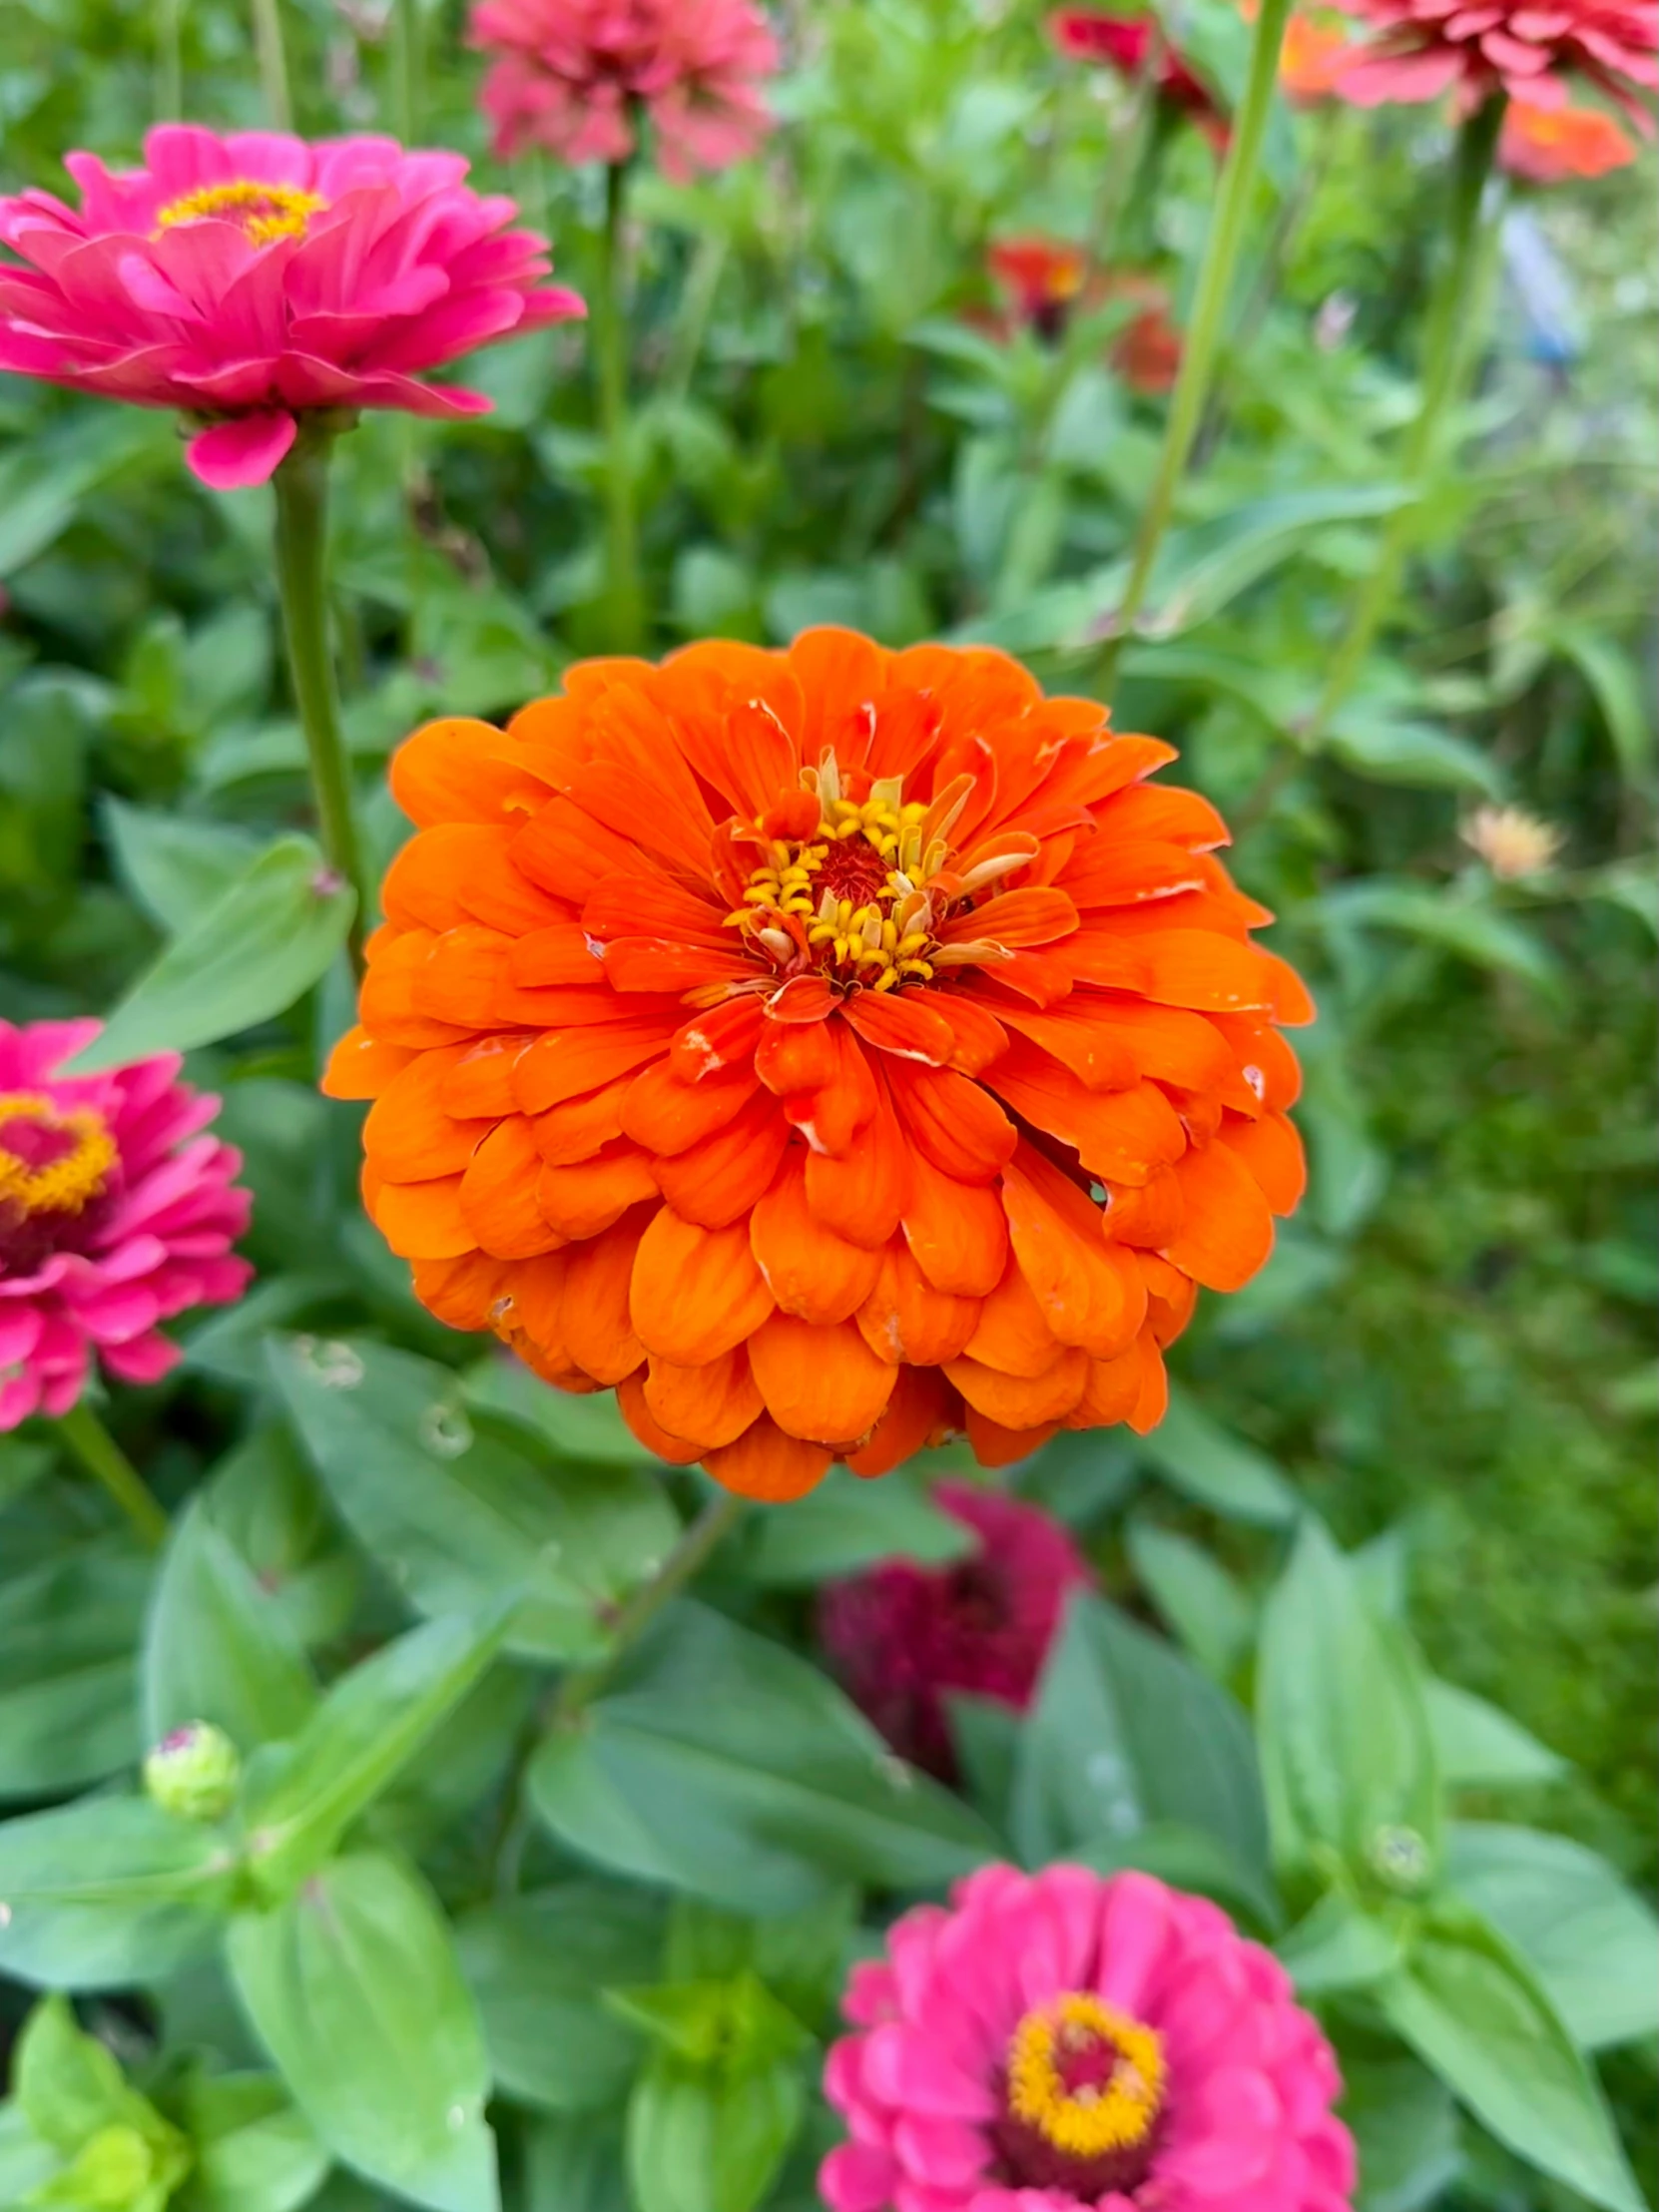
(1122, 42)
(1041, 279)
(901, 1637)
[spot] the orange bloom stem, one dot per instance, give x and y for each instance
(302, 486)
(1236, 192)
(695, 1545)
(104, 1459)
(1447, 347)
(624, 600)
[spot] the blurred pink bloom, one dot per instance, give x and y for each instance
(1424, 48)
(1067, 2039)
(115, 1215)
(902, 1636)
(574, 76)
(250, 278)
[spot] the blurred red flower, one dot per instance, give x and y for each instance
(1043, 279)
(1549, 145)
(1422, 48)
(1124, 43)
(901, 1637)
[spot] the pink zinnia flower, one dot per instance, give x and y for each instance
(575, 76)
(115, 1215)
(902, 1636)
(1123, 43)
(1065, 2040)
(248, 279)
(1520, 46)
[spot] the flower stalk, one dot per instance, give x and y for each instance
(1448, 350)
(1215, 284)
(273, 63)
(301, 487)
(109, 1466)
(697, 1544)
(623, 603)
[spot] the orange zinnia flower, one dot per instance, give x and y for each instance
(826, 1049)
(1311, 60)
(1548, 146)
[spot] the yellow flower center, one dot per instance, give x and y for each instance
(1086, 2078)
(266, 212)
(52, 1160)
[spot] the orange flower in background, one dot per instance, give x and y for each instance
(1041, 280)
(1147, 351)
(1311, 59)
(827, 1051)
(1550, 145)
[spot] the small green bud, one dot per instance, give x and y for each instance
(193, 1771)
(1399, 1858)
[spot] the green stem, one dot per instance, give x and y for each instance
(1130, 238)
(170, 62)
(104, 1459)
(1215, 284)
(408, 67)
(1446, 347)
(301, 485)
(696, 1543)
(274, 64)
(623, 599)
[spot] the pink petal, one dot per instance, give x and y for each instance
(233, 455)
(857, 2178)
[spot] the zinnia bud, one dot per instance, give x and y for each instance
(193, 1771)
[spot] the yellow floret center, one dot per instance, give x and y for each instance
(65, 1172)
(266, 212)
(1087, 2078)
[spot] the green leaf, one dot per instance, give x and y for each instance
(217, 1648)
(265, 1500)
(1471, 2011)
(1125, 1732)
(1194, 1593)
(353, 1988)
(243, 960)
(174, 867)
(1396, 749)
(107, 1893)
(1405, 2127)
(846, 1524)
(253, 2151)
(1203, 1460)
(300, 1798)
(1616, 685)
(699, 2143)
(459, 1508)
(588, 1430)
(69, 1638)
(1347, 1753)
(68, 2084)
(1481, 1747)
(574, 2164)
(1339, 1945)
(720, 1763)
(1590, 1940)
(26, 2163)
(538, 1967)
(1476, 934)
(44, 479)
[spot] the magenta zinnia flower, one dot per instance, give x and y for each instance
(115, 1215)
(574, 76)
(251, 278)
(1069, 2040)
(901, 1637)
(1425, 47)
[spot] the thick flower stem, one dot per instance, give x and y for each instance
(273, 63)
(623, 603)
(408, 66)
(716, 1521)
(1215, 284)
(301, 485)
(108, 1464)
(1447, 348)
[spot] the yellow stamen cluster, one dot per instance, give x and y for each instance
(1089, 2120)
(64, 1185)
(266, 212)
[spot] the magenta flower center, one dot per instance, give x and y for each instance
(51, 1161)
(265, 213)
(1083, 2093)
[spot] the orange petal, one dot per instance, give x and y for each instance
(957, 1123)
(569, 853)
(996, 1447)
(358, 1067)
(769, 1466)
(458, 981)
(980, 1038)
(565, 1063)
(640, 904)
(594, 1310)
(1199, 969)
(861, 1193)
(481, 1081)
(1089, 1292)
(1100, 1060)
(725, 1036)
(387, 1003)
(1022, 1402)
(1226, 1225)
(1012, 1333)
(578, 1128)
(559, 952)
(424, 1221)
(720, 1179)
(1035, 915)
(831, 1117)
(498, 1194)
(715, 1403)
(1112, 1392)
(1120, 1136)
(921, 1412)
(1265, 1060)
(696, 1292)
(1147, 1216)
(955, 1231)
(1128, 873)
(460, 1292)
(821, 1383)
(794, 1056)
(463, 871)
(841, 674)
(904, 1318)
(459, 769)
(1153, 1401)
(581, 1200)
(678, 1451)
(534, 1311)
(658, 964)
(1271, 1150)
(1170, 1297)
(407, 1133)
(810, 1269)
(1164, 814)
(668, 1115)
(901, 1022)
(1291, 1001)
